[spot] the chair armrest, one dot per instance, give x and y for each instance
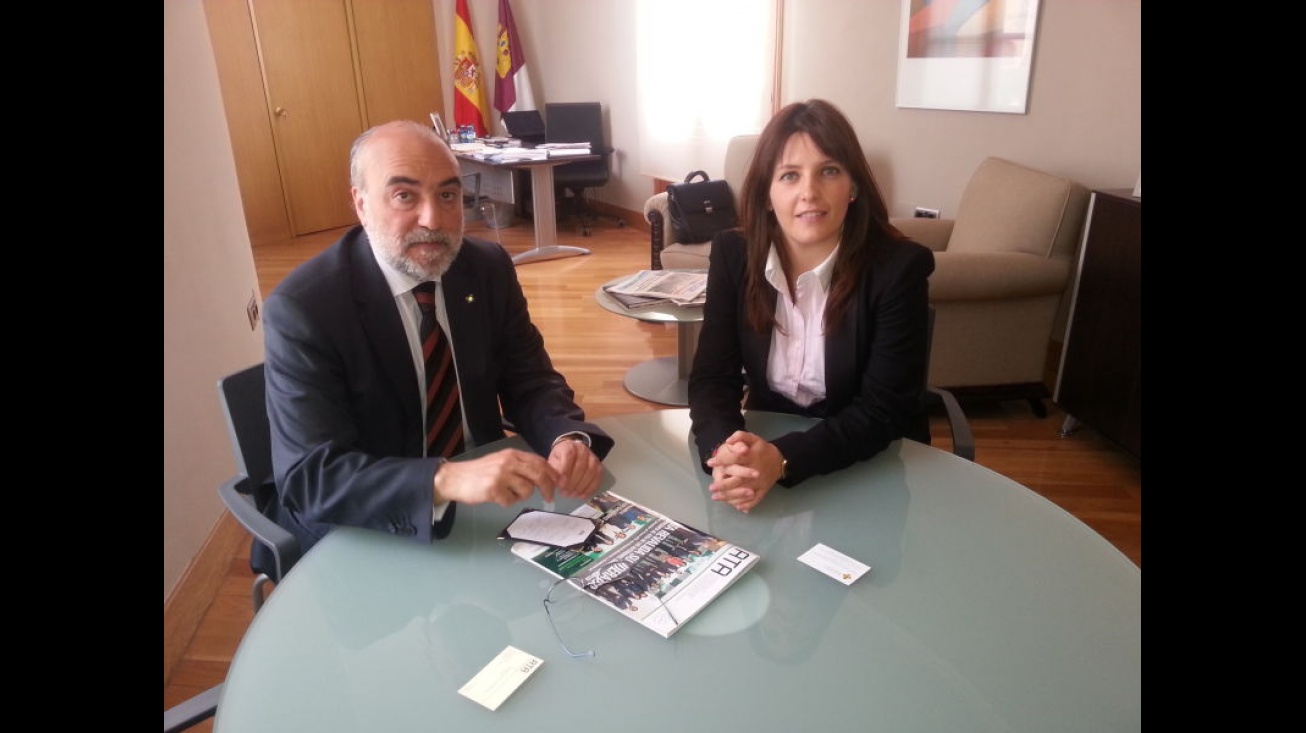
(933, 233)
(658, 216)
(185, 714)
(995, 275)
(238, 495)
(963, 440)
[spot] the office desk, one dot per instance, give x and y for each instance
(988, 608)
(546, 218)
(665, 379)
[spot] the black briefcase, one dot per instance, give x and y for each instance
(700, 208)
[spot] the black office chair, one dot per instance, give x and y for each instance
(579, 122)
(274, 550)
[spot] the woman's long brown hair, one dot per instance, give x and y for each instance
(865, 228)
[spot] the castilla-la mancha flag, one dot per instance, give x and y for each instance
(512, 85)
(468, 83)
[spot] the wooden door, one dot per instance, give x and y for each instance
(236, 51)
(313, 104)
(398, 60)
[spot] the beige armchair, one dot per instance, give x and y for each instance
(1002, 270)
(675, 255)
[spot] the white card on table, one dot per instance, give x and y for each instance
(501, 677)
(834, 563)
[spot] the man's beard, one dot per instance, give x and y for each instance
(419, 265)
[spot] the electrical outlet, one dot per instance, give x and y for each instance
(924, 213)
(251, 310)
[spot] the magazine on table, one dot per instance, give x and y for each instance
(643, 564)
(678, 287)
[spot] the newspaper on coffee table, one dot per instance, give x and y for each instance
(682, 287)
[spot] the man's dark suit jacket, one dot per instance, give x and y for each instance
(875, 364)
(343, 395)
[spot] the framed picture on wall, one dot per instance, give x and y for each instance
(966, 55)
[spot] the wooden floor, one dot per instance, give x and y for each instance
(1083, 473)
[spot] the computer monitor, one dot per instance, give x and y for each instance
(525, 125)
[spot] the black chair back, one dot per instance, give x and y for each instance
(250, 494)
(244, 403)
(578, 122)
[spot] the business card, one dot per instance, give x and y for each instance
(501, 677)
(834, 563)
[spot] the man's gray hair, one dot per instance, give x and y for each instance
(360, 143)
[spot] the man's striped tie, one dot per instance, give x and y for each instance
(444, 415)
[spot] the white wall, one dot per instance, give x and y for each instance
(1084, 112)
(1084, 116)
(208, 276)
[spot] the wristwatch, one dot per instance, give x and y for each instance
(576, 435)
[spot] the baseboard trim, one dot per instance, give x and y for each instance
(199, 585)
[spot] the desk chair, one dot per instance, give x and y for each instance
(963, 441)
(576, 122)
(191, 712)
(243, 406)
(274, 549)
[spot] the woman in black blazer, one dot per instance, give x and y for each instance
(816, 305)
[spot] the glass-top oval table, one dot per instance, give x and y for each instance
(987, 608)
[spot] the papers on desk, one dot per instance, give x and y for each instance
(568, 152)
(562, 150)
(509, 155)
(652, 288)
(495, 150)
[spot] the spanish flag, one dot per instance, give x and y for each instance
(469, 93)
(512, 85)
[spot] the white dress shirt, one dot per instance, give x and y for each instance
(795, 367)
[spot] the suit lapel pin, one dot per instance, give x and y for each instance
(470, 298)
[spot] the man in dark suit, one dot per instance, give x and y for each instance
(345, 370)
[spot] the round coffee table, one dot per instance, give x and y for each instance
(664, 380)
